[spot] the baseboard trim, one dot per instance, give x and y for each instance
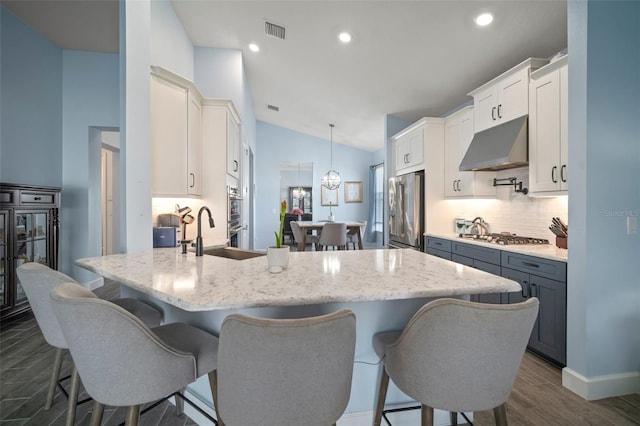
(599, 387)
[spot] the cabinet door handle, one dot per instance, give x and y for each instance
(458, 185)
(562, 176)
(453, 184)
(235, 166)
(553, 174)
(499, 111)
(526, 291)
(533, 293)
(532, 265)
(408, 156)
(493, 113)
(193, 180)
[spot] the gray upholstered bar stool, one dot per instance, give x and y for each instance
(38, 280)
(334, 234)
(127, 363)
(285, 372)
(457, 356)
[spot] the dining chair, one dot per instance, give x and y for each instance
(333, 234)
(38, 281)
(285, 372)
(457, 356)
(298, 236)
(352, 236)
(121, 361)
(286, 229)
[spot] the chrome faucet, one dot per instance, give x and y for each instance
(199, 247)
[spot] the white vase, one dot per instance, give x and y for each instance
(278, 256)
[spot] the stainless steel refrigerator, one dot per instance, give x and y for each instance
(406, 211)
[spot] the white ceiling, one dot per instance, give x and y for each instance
(409, 59)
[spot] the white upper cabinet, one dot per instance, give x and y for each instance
(457, 138)
(223, 132)
(505, 97)
(194, 145)
(409, 150)
(233, 145)
(176, 142)
(548, 134)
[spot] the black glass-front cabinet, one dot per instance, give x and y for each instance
(28, 233)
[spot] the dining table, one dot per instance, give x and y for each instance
(309, 226)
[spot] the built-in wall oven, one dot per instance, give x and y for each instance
(234, 206)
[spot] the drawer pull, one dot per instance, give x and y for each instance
(437, 243)
(533, 265)
(37, 198)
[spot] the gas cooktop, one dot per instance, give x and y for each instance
(505, 239)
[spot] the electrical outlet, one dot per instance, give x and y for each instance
(632, 225)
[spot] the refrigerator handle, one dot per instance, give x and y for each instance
(404, 207)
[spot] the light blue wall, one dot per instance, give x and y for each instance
(90, 99)
(220, 73)
(604, 174)
(275, 144)
(171, 48)
(30, 105)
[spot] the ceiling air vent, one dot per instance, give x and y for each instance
(274, 30)
(273, 108)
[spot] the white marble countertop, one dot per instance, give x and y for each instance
(210, 283)
(546, 251)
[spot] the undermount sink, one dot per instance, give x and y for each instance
(233, 253)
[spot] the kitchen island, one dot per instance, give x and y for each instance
(384, 288)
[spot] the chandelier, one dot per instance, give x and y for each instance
(299, 192)
(331, 180)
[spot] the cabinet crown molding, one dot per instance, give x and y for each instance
(550, 67)
(176, 79)
(418, 124)
(533, 63)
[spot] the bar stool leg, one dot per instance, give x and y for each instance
(133, 415)
(500, 413)
(382, 396)
(213, 383)
(55, 374)
(427, 415)
(73, 396)
(180, 402)
(96, 415)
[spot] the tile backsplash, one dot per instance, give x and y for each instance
(513, 212)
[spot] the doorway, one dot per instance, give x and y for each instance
(110, 191)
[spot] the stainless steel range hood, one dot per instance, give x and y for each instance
(498, 148)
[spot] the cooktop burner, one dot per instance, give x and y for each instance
(505, 239)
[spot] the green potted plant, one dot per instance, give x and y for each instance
(278, 255)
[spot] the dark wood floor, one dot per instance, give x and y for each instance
(25, 365)
(538, 397)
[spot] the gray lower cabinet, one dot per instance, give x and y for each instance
(549, 335)
(541, 278)
(439, 247)
(483, 258)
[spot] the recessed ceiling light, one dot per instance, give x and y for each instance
(484, 19)
(254, 47)
(345, 37)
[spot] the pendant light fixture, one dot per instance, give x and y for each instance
(299, 192)
(331, 180)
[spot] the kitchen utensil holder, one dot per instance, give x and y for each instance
(561, 242)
